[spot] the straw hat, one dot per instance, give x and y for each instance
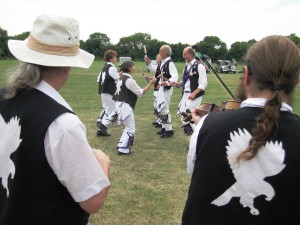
(53, 41)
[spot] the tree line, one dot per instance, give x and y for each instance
(97, 43)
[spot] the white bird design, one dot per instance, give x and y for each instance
(9, 142)
(119, 84)
(250, 174)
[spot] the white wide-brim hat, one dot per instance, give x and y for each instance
(53, 41)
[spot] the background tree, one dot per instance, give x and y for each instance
(3, 43)
(22, 36)
(177, 50)
(295, 39)
(237, 50)
(133, 45)
(153, 47)
(213, 47)
(97, 44)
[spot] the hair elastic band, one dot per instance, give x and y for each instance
(276, 87)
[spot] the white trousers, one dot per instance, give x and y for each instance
(128, 132)
(186, 103)
(108, 105)
(166, 110)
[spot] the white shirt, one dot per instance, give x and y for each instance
(172, 68)
(113, 72)
(152, 68)
(250, 102)
(69, 154)
(202, 80)
(133, 86)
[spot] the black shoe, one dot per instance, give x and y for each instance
(103, 129)
(100, 133)
(162, 131)
(167, 134)
(154, 123)
(158, 125)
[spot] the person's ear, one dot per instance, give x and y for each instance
(246, 76)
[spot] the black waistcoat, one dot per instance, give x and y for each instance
(125, 95)
(107, 86)
(157, 73)
(194, 79)
(165, 69)
(213, 174)
(35, 194)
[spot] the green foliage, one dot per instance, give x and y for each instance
(22, 36)
(295, 39)
(238, 50)
(177, 50)
(213, 47)
(133, 45)
(3, 43)
(97, 44)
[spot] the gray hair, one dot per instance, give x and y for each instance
(167, 49)
(25, 77)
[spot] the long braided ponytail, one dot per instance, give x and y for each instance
(274, 64)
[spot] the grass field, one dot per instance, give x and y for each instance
(150, 186)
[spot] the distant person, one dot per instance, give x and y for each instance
(107, 80)
(126, 97)
(209, 61)
(49, 173)
(245, 163)
(153, 69)
(194, 82)
(170, 74)
(234, 62)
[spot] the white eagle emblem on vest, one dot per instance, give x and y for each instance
(9, 142)
(119, 84)
(250, 174)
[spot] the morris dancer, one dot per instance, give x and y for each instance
(126, 97)
(194, 82)
(107, 80)
(153, 69)
(170, 74)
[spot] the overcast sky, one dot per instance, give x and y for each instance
(185, 21)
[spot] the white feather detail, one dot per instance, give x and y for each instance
(250, 174)
(9, 142)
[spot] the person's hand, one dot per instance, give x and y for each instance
(147, 60)
(176, 84)
(196, 116)
(164, 83)
(103, 160)
(191, 96)
(153, 80)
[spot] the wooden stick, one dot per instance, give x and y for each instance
(145, 50)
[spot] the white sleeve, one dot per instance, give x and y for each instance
(173, 72)
(191, 156)
(113, 72)
(71, 158)
(134, 87)
(202, 81)
(152, 68)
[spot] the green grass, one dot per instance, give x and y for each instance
(150, 186)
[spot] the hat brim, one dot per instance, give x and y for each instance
(22, 52)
